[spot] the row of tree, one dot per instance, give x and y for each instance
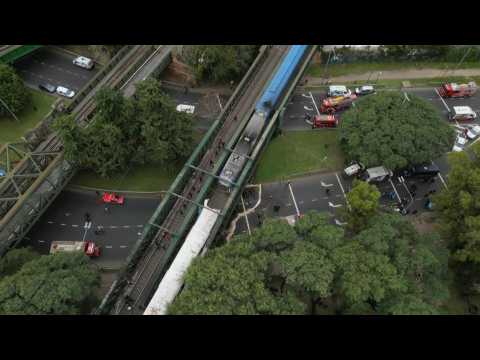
(33, 284)
(144, 129)
(381, 267)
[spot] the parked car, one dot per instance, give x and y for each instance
(189, 109)
(365, 90)
(47, 87)
(353, 169)
(473, 132)
(463, 113)
(338, 90)
(112, 198)
(61, 90)
(84, 62)
(377, 174)
(423, 171)
(460, 143)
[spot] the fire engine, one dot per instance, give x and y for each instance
(331, 105)
(88, 247)
(454, 90)
(321, 121)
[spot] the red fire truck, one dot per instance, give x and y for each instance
(331, 105)
(454, 90)
(321, 121)
(88, 247)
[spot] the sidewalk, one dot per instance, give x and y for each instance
(395, 75)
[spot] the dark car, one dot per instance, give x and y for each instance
(47, 87)
(425, 171)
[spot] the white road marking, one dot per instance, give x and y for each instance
(75, 226)
(288, 205)
(50, 222)
(246, 217)
(139, 226)
(313, 200)
(41, 241)
(325, 185)
(300, 202)
(333, 205)
(314, 103)
(123, 246)
(139, 233)
(113, 227)
(219, 102)
(293, 197)
(63, 224)
(443, 101)
(126, 226)
(308, 108)
(395, 189)
(108, 246)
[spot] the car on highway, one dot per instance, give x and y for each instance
(84, 62)
(463, 113)
(47, 87)
(338, 90)
(189, 109)
(112, 198)
(460, 143)
(473, 132)
(61, 90)
(365, 90)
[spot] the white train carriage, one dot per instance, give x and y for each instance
(173, 279)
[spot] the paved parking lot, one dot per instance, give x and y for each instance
(55, 67)
(64, 221)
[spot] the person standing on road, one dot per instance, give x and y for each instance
(106, 209)
(327, 191)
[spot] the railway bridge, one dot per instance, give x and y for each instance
(11, 53)
(36, 171)
(179, 209)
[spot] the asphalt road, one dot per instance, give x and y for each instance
(64, 221)
(55, 67)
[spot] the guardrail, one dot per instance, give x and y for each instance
(168, 201)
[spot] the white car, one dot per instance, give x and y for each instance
(61, 90)
(338, 90)
(189, 109)
(473, 132)
(460, 143)
(463, 113)
(83, 62)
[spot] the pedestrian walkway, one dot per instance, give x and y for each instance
(395, 75)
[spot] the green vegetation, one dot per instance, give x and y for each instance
(11, 130)
(13, 92)
(219, 63)
(386, 268)
(333, 70)
(363, 201)
(126, 132)
(296, 153)
(60, 284)
(387, 129)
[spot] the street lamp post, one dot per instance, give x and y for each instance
(10, 111)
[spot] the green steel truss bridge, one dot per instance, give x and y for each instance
(11, 53)
(178, 211)
(36, 171)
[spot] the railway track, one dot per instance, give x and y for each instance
(143, 280)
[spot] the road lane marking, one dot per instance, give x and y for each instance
(246, 217)
(293, 197)
(113, 227)
(123, 246)
(443, 101)
(63, 224)
(50, 222)
(313, 200)
(75, 226)
(314, 103)
(108, 246)
(41, 241)
(126, 226)
(219, 102)
(395, 189)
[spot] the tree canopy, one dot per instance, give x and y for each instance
(15, 259)
(363, 204)
(49, 285)
(386, 268)
(12, 91)
(219, 63)
(387, 129)
(144, 129)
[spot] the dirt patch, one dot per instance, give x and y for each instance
(179, 73)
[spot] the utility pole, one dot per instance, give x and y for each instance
(10, 111)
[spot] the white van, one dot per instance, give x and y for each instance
(462, 113)
(83, 62)
(338, 90)
(189, 109)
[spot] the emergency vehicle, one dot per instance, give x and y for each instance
(463, 113)
(321, 121)
(112, 198)
(454, 90)
(331, 105)
(87, 247)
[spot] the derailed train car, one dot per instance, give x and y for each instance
(263, 111)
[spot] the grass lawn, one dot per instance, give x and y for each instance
(299, 152)
(10, 130)
(148, 177)
(318, 70)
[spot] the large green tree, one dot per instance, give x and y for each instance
(219, 63)
(12, 92)
(389, 129)
(50, 285)
(363, 204)
(15, 259)
(126, 132)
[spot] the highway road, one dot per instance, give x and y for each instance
(64, 221)
(55, 67)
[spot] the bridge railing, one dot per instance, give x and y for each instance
(177, 186)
